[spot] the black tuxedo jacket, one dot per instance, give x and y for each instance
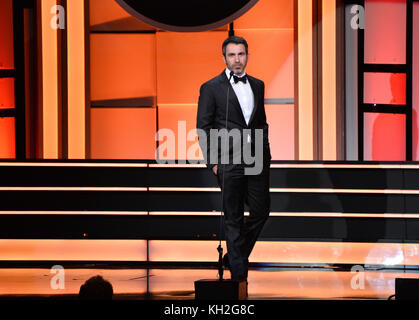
(212, 108)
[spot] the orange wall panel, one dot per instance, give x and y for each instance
(268, 14)
(384, 137)
(6, 34)
(271, 59)
(184, 62)
(385, 88)
(385, 31)
(58, 250)
(123, 133)
(102, 11)
(7, 138)
(122, 66)
(180, 123)
(292, 252)
(281, 131)
(7, 93)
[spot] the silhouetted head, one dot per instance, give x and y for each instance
(96, 288)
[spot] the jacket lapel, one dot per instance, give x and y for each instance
(255, 90)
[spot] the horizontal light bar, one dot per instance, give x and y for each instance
(186, 213)
(333, 190)
(194, 165)
(345, 215)
(343, 166)
(58, 164)
(184, 189)
(176, 165)
(295, 214)
(73, 188)
(292, 190)
(211, 189)
(133, 213)
(218, 213)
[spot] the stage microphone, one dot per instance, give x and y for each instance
(231, 74)
(220, 248)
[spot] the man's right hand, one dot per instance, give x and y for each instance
(214, 169)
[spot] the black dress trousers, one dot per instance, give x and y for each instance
(242, 232)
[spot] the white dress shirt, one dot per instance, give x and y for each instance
(245, 95)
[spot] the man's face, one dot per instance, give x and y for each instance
(236, 58)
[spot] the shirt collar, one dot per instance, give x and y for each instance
(228, 75)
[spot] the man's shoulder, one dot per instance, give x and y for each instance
(256, 80)
(214, 81)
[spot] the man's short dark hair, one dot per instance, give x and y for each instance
(235, 40)
(96, 288)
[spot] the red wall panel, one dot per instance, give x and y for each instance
(281, 131)
(7, 93)
(415, 113)
(385, 88)
(6, 34)
(385, 31)
(384, 137)
(7, 138)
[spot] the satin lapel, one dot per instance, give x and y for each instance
(255, 90)
(233, 100)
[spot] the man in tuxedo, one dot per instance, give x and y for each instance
(234, 102)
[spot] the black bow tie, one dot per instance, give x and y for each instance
(237, 79)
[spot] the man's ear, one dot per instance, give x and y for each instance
(224, 59)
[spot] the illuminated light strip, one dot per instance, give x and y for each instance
(176, 165)
(73, 188)
(116, 165)
(176, 104)
(342, 166)
(363, 191)
(295, 214)
(49, 82)
(183, 213)
(184, 189)
(209, 189)
(266, 29)
(133, 213)
(305, 80)
(329, 112)
(293, 190)
(345, 215)
(186, 165)
(218, 213)
(324, 190)
(76, 80)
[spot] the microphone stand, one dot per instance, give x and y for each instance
(220, 248)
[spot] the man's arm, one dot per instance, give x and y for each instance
(265, 123)
(205, 122)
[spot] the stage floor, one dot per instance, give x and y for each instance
(175, 284)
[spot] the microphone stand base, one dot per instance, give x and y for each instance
(216, 289)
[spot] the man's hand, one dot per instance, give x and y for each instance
(214, 169)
